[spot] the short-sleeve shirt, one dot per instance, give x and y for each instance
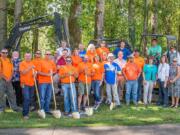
(126, 52)
(82, 54)
(154, 51)
(150, 72)
(98, 70)
(110, 72)
(28, 78)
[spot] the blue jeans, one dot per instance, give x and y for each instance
(70, 98)
(131, 86)
(139, 90)
(28, 94)
(163, 94)
(45, 93)
(96, 88)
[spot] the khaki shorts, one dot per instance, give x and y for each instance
(82, 88)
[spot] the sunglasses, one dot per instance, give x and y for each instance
(174, 61)
(4, 52)
(38, 53)
(47, 54)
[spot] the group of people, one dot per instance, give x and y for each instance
(108, 75)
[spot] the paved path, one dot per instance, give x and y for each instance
(166, 129)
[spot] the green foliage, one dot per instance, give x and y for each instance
(104, 117)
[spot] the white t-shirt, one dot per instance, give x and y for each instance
(163, 71)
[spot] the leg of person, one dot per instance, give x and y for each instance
(139, 90)
(109, 95)
(166, 98)
(11, 96)
(160, 99)
(66, 98)
(115, 95)
(128, 91)
(134, 91)
(48, 96)
(26, 100)
(32, 98)
(80, 94)
(151, 85)
(97, 91)
(73, 99)
(85, 97)
(18, 91)
(42, 92)
(146, 90)
(94, 89)
(3, 96)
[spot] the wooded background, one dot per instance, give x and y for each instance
(91, 19)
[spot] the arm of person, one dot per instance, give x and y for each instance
(166, 76)
(177, 76)
(25, 71)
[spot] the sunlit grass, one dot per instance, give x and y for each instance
(103, 117)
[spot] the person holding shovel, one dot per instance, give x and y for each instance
(84, 79)
(68, 73)
(27, 83)
(111, 70)
(46, 69)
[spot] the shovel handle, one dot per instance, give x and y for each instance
(54, 98)
(72, 90)
(36, 88)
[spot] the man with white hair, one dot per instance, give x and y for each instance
(63, 46)
(111, 71)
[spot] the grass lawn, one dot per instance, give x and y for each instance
(103, 117)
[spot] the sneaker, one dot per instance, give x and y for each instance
(48, 113)
(96, 106)
(25, 117)
(17, 109)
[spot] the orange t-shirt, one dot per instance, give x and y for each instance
(28, 78)
(139, 62)
(101, 50)
(46, 66)
(66, 69)
(76, 60)
(98, 70)
(37, 64)
(81, 69)
(91, 55)
(6, 67)
(131, 71)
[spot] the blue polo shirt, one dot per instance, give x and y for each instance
(126, 52)
(82, 54)
(110, 72)
(150, 72)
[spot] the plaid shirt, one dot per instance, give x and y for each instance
(16, 74)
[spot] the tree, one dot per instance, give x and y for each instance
(18, 11)
(74, 27)
(3, 23)
(99, 19)
(131, 22)
(155, 17)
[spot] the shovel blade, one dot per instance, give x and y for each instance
(56, 114)
(112, 105)
(76, 115)
(41, 114)
(89, 111)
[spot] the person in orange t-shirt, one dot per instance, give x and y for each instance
(76, 59)
(68, 74)
(85, 74)
(91, 52)
(102, 49)
(97, 79)
(26, 68)
(131, 73)
(140, 63)
(45, 71)
(6, 73)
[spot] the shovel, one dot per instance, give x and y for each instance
(88, 110)
(75, 115)
(56, 113)
(41, 112)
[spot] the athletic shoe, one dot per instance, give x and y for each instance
(25, 117)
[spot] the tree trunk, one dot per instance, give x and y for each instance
(155, 17)
(99, 19)
(18, 11)
(3, 23)
(131, 22)
(35, 40)
(178, 44)
(145, 27)
(67, 30)
(74, 27)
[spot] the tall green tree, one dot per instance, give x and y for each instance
(3, 23)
